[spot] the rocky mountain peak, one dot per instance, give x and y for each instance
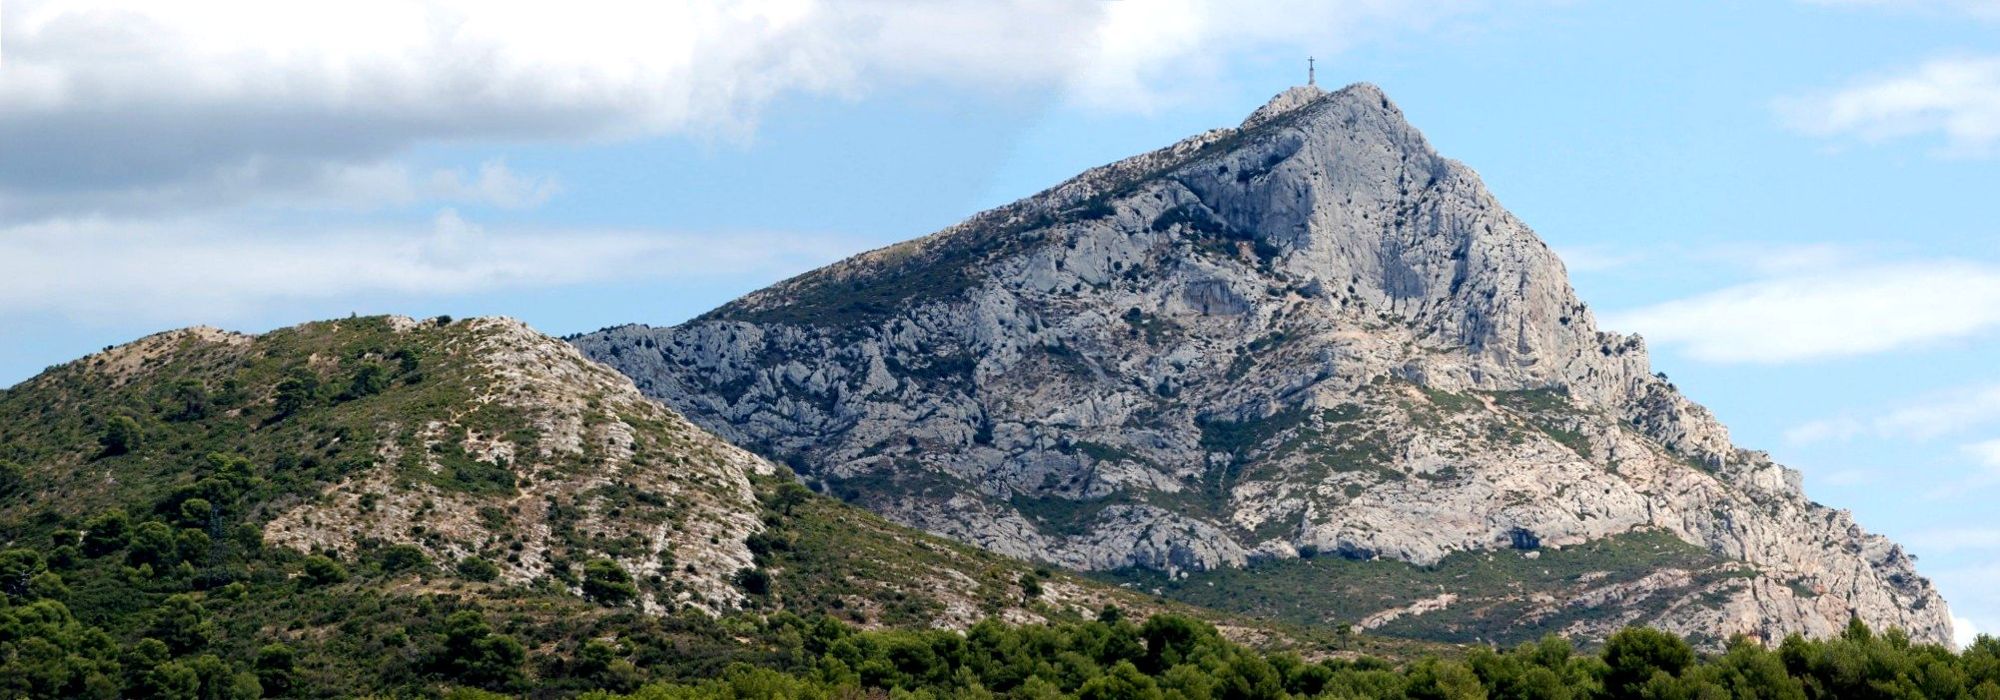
(1308, 334)
(1292, 98)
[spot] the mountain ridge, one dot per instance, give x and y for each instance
(1309, 333)
(357, 493)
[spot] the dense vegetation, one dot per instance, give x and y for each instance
(216, 644)
(1175, 657)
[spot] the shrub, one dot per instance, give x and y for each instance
(788, 496)
(322, 571)
(11, 478)
(403, 557)
(472, 654)
(192, 546)
(1031, 586)
(607, 583)
(274, 668)
(299, 390)
(153, 544)
(1170, 639)
(1635, 654)
(1110, 614)
(196, 512)
(19, 566)
(754, 581)
(48, 585)
(477, 569)
(766, 543)
(1123, 682)
(190, 401)
(182, 624)
(106, 533)
(122, 435)
(369, 379)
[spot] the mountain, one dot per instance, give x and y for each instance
(388, 505)
(1309, 346)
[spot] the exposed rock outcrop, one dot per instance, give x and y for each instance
(590, 461)
(1311, 332)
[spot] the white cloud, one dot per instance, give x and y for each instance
(1985, 9)
(113, 105)
(1988, 453)
(289, 183)
(1985, 475)
(1921, 418)
(1974, 592)
(213, 271)
(1800, 258)
(1142, 55)
(1957, 98)
(1825, 429)
(1741, 256)
(1963, 632)
(1930, 417)
(1810, 313)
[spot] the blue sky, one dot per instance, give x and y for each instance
(1792, 200)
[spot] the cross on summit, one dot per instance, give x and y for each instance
(1309, 70)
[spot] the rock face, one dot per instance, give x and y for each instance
(1310, 333)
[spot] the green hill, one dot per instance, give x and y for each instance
(382, 505)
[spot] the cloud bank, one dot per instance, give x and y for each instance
(169, 161)
(1982, 9)
(122, 106)
(198, 271)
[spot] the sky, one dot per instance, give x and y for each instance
(1792, 200)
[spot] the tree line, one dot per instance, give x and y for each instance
(1170, 657)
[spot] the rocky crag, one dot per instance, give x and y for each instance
(1308, 335)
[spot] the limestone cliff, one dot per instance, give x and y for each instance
(1308, 334)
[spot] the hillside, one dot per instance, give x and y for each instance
(1307, 335)
(389, 505)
